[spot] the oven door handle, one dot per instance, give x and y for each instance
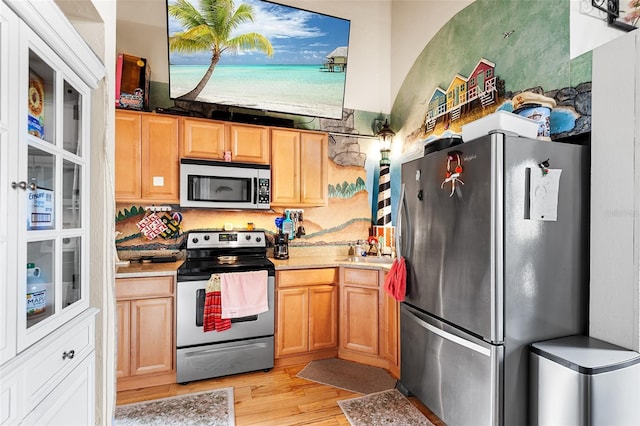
(201, 294)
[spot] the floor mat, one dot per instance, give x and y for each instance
(388, 408)
(348, 375)
(214, 407)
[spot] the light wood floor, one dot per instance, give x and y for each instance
(275, 398)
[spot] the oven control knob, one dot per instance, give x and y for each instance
(258, 239)
(206, 238)
(194, 241)
(247, 237)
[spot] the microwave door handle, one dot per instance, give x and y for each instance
(255, 191)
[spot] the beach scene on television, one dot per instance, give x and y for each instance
(259, 55)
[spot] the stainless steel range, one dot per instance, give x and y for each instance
(248, 345)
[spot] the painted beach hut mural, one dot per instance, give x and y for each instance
(336, 60)
(459, 96)
(437, 107)
(456, 95)
(482, 82)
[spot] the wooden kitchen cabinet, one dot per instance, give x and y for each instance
(209, 139)
(369, 320)
(307, 315)
(299, 168)
(147, 158)
(391, 333)
(146, 343)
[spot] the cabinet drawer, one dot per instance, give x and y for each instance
(300, 277)
(360, 277)
(72, 402)
(137, 288)
(60, 353)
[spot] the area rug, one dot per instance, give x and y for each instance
(348, 375)
(388, 408)
(213, 407)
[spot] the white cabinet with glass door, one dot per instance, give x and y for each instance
(47, 329)
(52, 182)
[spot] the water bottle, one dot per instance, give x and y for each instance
(36, 291)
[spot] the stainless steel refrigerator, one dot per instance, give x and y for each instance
(494, 234)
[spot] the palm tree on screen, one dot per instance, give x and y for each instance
(210, 28)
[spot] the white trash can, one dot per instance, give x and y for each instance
(579, 380)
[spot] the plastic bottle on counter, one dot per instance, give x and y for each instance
(287, 226)
(357, 248)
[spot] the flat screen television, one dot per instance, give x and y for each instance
(266, 56)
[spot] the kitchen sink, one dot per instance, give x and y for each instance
(371, 259)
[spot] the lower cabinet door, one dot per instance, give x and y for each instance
(123, 310)
(292, 326)
(360, 320)
(323, 317)
(152, 336)
(72, 401)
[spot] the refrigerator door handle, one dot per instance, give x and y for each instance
(402, 207)
(450, 337)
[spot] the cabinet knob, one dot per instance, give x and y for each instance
(23, 185)
(69, 354)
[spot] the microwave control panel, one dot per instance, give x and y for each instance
(263, 191)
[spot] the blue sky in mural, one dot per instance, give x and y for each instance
(297, 36)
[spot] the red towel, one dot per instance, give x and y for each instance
(213, 313)
(396, 282)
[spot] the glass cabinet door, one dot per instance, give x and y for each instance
(52, 164)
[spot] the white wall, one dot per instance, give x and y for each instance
(589, 28)
(614, 312)
(95, 20)
(414, 23)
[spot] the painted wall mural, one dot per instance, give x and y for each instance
(479, 60)
(345, 219)
(489, 52)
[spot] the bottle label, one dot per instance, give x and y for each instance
(36, 302)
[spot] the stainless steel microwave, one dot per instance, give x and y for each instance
(224, 185)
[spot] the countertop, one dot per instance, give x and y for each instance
(306, 262)
(136, 270)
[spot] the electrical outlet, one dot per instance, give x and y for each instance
(158, 208)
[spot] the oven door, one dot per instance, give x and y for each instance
(190, 313)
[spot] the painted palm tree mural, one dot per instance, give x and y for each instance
(210, 27)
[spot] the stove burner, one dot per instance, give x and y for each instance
(215, 252)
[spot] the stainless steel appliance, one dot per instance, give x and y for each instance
(486, 276)
(224, 185)
(248, 345)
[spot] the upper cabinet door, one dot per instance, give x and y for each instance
(160, 172)
(249, 144)
(202, 139)
(314, 169)
(285, 167)
(299, 168)
(128, 153)
(52, 188)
